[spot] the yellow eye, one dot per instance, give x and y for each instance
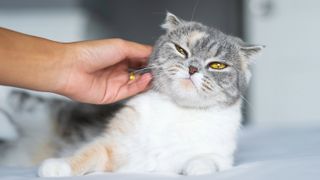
(181, 50)
(217, 65)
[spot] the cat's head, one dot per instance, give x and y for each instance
(198, 66)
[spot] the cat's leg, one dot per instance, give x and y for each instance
(94, 157)
(207, 164)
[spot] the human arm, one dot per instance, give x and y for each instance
(89, 71)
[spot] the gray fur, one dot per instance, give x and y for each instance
(219, 87)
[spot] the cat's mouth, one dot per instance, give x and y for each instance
(187, 84)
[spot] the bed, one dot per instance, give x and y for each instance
(263, 154)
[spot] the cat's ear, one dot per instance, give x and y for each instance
(249, 50)
(171, 22)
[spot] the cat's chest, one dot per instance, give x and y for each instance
(162, 122)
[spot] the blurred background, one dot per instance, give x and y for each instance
(285, 89)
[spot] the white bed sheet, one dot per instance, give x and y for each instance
(263, 154)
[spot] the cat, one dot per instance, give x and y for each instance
(187, 123)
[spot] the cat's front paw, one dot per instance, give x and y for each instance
(199, 166)
(54, 168)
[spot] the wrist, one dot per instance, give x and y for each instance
(63, 65)
(33, 63)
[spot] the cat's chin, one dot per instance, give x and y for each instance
(193, 101)
(193, 105)
(185, 94)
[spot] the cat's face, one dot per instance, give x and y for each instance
(198, 66)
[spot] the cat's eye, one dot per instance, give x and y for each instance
(181, 50)
(217, 65)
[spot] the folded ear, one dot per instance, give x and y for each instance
(250, 50)
(171, 22)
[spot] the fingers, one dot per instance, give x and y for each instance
(134, 50)
(136, 86)
(100, 54)
(137, 54)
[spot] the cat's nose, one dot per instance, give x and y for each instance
(192, 70)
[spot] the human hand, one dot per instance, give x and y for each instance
(97, 71)
(89, 71)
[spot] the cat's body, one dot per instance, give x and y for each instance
(152, 134)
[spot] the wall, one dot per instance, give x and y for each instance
(285, 88)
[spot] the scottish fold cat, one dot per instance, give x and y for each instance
(187, 123)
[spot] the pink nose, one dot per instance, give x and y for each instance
(192, 70)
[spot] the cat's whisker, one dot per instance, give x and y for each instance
(207, 86)
(194, 9)
(241, 96)
(246, 100)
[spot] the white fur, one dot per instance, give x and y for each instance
(54, 168)
(167, 136)
(199, 166)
